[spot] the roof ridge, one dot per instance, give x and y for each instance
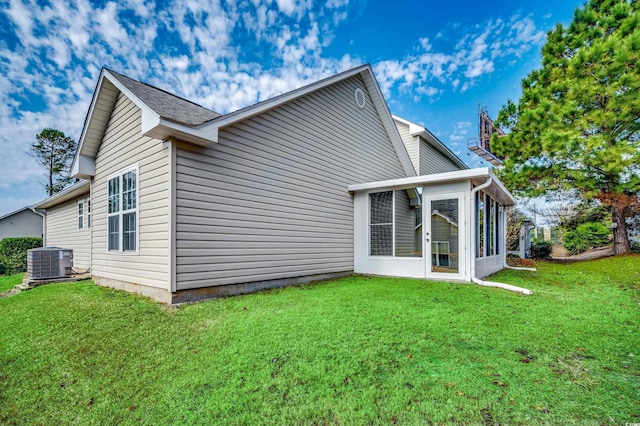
(159, 89)
(284, 94)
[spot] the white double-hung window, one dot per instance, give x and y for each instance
(80, 214)
(122, 212)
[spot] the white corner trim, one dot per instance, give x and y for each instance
(173, 276)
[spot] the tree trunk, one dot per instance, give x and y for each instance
(620, 237)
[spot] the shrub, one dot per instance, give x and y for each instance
(541, 249)
(586, 236)
(13, 253)
(634, 246)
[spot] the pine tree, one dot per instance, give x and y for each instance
(577, 123)
(54, 151)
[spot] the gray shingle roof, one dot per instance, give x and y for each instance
(167, 105)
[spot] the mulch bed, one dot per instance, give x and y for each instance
(519, 262)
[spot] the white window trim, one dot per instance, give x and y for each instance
(80, 214)
(87, 222)
(393, 230)
(437, 253)
(393, 225)
(120, 212)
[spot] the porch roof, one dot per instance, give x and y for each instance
(476, 176)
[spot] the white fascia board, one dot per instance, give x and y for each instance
(414, 181)
(414, 128)
(84, 167)
(94, 100)
(154, 125)
(202, 135)
(150, 118)
(438, 178)
(66, 194)
(497, 182)
(418, 130)
(390, 126)
(263, 106)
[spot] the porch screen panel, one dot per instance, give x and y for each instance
(444, 236)
(499, 223)
(492, 227)
(408, 233)
(480, 224)
(381, 224)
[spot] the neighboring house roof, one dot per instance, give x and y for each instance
(20, 211)
(76, 190)
(162, 118)
(165, 104)
(444, 217)
(419, 130)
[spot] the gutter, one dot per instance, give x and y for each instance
(473, 251)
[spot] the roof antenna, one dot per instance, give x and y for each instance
(481, 145)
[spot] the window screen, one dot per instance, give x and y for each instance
(381, 224)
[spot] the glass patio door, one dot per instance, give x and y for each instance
(444, 236)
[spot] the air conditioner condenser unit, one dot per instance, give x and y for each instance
(49, 262)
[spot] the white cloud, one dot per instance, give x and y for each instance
(460, 131)
(205, 51)
(473, 56)
(287, 6)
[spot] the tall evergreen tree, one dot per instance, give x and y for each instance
(54, 151)
(577, 123)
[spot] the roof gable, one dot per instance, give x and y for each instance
(163, 115)
(15, 212)
(167, 116)
(165, 104)
(372, 86)
(419, 130)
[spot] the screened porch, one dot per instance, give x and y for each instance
(448, 226)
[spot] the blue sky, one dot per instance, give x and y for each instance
(435, 61)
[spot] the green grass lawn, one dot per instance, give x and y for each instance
(8, 282)
(356, 350)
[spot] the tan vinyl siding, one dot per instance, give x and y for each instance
(433, 161)
(270, 200)
(62, 231)
(404, 225)
(124, 146)
(411, 143)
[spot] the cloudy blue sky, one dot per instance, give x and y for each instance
(435, 60)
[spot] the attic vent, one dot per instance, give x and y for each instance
(360, 99)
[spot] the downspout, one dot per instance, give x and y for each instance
(42, 213)
(473, 249)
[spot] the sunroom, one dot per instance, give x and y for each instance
(446, 226)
